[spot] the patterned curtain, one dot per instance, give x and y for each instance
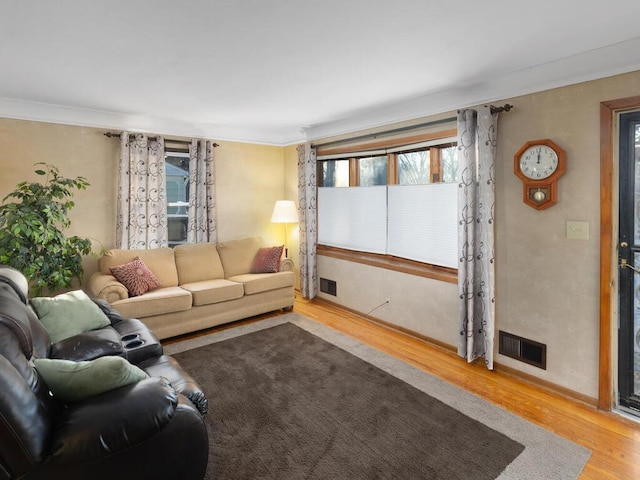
(307, 212)
(202, 204)
(477, 142)
(142, 201)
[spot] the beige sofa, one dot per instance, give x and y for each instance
(201, 285)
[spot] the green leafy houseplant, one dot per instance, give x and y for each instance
(32, 238)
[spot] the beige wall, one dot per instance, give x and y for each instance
(249, 179)
(76, 151)
(547, 285)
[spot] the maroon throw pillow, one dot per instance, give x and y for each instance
(136, 277)
(267, 260)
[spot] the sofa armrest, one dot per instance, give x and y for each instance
(286, 265)
(144, 430)
(106, 287)
(88, 345)
(113, 421)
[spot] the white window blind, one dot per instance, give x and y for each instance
(354, 218)
(422, 223)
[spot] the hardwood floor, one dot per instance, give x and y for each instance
(614, 440)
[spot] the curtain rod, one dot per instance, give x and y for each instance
(505, 108)
(185, 142)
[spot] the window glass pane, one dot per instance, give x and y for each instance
(335, 173)
(373, 171)
(414, 168)
(449, 157)
(177, 175)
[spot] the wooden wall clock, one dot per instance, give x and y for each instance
(539, 164)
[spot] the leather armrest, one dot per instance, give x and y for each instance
(88, 345)
(106, 287)
(168, 367)
(138, 341)
(113, 421)
(286, 265)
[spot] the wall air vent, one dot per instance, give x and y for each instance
(522, 349)
(328, 286)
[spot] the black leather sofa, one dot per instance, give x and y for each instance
(152, 429)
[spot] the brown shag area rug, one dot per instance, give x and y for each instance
(285, 403)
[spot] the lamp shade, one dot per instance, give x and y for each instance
(284, 211)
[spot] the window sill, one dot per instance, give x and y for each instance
(443, 274)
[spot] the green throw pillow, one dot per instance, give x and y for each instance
(69, 314)
(74, 381)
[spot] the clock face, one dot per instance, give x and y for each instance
(538, 162)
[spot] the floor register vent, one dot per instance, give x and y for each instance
(328, 286)
(522, 349)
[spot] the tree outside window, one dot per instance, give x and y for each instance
(373, 171)
(414, 168)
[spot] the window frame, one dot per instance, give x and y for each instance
(386, 261)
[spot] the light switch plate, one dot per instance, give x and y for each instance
(577, 230)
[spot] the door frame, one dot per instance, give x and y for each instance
(608, 250)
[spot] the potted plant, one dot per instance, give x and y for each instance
(32, 238)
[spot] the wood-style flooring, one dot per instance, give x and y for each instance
(614, 440)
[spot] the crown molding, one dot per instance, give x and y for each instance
(59, 114)
(611, 60)
(592, 65)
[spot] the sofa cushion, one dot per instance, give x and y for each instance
(263, 282)
(237, 255)
(214, 291)
(69, 314)
(136, 277)
(155, 302)
(74, 381)
(198, 261)
(161, 262)
(267, 260)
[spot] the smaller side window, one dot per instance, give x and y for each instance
(177, 178)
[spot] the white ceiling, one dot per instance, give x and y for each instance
(282, 71)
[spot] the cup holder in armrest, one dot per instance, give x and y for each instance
(133, 344)
(131, 336)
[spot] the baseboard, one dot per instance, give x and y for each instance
(389, 325)
(554, 387)
(506, 370)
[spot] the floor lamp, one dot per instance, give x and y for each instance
(285, 211)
